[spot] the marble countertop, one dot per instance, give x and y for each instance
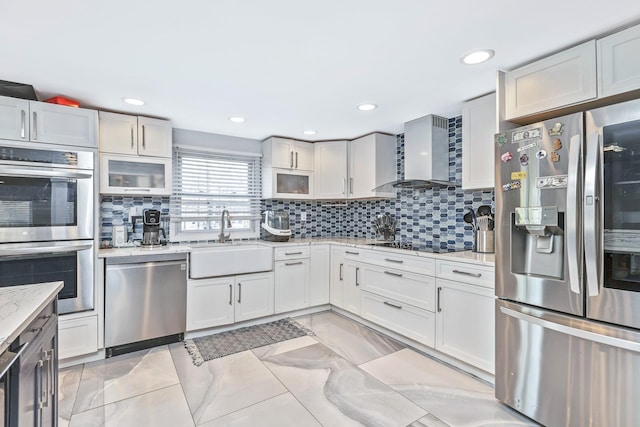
(463, 256)
(19, 306)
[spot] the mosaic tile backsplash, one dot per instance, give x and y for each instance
(115, 210)
(432, 217)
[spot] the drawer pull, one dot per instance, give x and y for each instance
(36, 330)
(352, 253)
(391, 273)
(397, 261)
(466, 273)
(293, 263)
(293, 253)
(399, 307)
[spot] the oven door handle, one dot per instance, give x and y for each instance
(44, 249)
(39, 173)
(8, 358)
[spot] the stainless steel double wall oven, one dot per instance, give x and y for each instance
(47, 197)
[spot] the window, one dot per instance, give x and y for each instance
(205, 183)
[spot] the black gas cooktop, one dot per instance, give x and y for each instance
(418, 248)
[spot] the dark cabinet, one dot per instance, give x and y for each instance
(36, 377)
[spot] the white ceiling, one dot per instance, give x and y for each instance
(285, 65)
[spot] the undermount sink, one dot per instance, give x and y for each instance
(226, 260)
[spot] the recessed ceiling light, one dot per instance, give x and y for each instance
(477, 56)
(367, 107)
(237, 119)
(133, 101)
(309, 132)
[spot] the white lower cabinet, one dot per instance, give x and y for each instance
(319, 275)
(225, 300)
(337, 282)
(352, 275)
(465, 326)
(78, 336)
(291, 285)
(412, 322)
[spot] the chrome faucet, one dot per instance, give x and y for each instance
(222, 238)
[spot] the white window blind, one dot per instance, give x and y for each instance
(205, 183)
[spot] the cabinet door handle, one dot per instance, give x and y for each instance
(438, 299)
(399, 307)
(293, 263)
(352, 253)
(35, 126)
(466, 273)
(391, 273)
(341, 270)
(357, 276)
(397, 261)
(230, 293)
(23, 119)
(239, 292)
(293, 253)
(144, 146)
(132, 136)
(351, 185)
(291, 160)
(51, 378)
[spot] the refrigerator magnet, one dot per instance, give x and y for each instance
(557, 144)
(555, 157)
(506, 157)
(524, 160)
(518, 175)
(513, 185)
(556, 129)
(541, 154)
(526, 147)
(501, 139)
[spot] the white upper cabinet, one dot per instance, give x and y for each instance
(135, 135)
(14, 118)
(372, 162)
(619, 62)
(24, 120)
(478, 129)
(330, 170)
(560, 80)
(287, 154)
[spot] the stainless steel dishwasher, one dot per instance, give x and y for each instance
(145, 301)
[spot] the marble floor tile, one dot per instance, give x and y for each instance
(429, 421)
(284, 346)
(166, 407)
(452, 396)
(355, 342)
(221, 386)
(68, 383)
(107, 381)
(280, 411)
(337, 393)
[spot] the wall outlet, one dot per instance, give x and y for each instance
(303, 216)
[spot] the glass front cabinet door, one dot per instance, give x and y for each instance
(135, 175)
(287, 184)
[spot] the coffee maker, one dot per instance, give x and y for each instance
(151, 229)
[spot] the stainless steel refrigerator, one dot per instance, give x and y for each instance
(568, 268)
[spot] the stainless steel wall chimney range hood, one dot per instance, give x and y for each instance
(426, 154)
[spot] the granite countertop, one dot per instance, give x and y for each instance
(19, 306)
(363, 243)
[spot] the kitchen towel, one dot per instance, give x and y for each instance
(225, 343)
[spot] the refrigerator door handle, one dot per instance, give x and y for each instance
(591, 211)
(607, 340)
(573, 225)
